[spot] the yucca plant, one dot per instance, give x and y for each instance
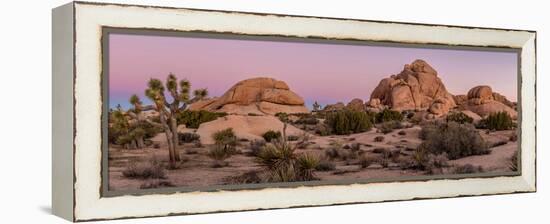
(306, 164)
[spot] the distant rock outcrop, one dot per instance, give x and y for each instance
(356, 105)
(483, 101)
(417, 87)
(334, 107)
(256, 95)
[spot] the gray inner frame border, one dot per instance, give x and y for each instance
(107, 31)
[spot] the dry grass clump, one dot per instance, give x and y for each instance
(145, 170)
(256, 146)
(389, 126)
(325, 165)
(366, 161)
(249, 177)
(219, 154)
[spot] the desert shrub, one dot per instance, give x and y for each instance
(219, 153)
(378, 138)
(156, 184)
(388, 126)
(303, 140)
(467, 169)
(193, 119)
(423, 160)
(226, 138)
(348, 122)
(306, 164)
(253, 114)
(497, 121)
(145, 170)
(292, 138)
(379, 150)
(279, 159)
(402, 132)
(513, 163)
(188, 137)
(249, 177)
(459, 117)
(355, 146)
(457, 140)
(366, 161)
(271, 135)
(325, 165)
(256, 146)
(322, 129)
(307, 120)
(332, 153)
(388, 115)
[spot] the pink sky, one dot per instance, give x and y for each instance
(327, 73)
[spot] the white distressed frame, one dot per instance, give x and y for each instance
(89, 20)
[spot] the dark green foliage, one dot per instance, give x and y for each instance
(388, 115)
(389, 126)
(188, 137)
(457, 140)
(271, 135)
(192, 119)
(459, 117)
(226, 139)
(497, 121)
(145, 170)
(346, 122)
(292, 138)
(307, 120)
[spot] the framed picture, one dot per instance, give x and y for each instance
(162, 111)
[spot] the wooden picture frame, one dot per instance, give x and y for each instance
(79, 187)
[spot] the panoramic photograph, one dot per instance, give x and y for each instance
(204, 112)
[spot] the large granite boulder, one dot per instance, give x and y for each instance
(417, 87)
(256, 95)
(356, 105)
(483, 101)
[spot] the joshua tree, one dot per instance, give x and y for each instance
(137, 133)
(199, 94)
(134, 100)
(316, 106)
(168, 111)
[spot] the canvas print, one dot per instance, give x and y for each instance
(201, 112)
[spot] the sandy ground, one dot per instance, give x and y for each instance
(196, 169)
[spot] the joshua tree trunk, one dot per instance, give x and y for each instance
(175, 140)
(168, 133)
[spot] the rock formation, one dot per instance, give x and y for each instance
(356, 105)
(483, 101)
(417, 87)
(334, 107)
(248, 127)
(256, 95)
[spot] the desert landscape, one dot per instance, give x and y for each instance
(261, 131)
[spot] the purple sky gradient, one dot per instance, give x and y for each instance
(327, 73)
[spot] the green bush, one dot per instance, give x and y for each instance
(348, 122)
(307, 120)
(497, 121)
(459, 117)
(388, 126)
(271, 135)
(188, 137)
(457, 140)
(192, 119)
(226, 138)
(388, 115)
